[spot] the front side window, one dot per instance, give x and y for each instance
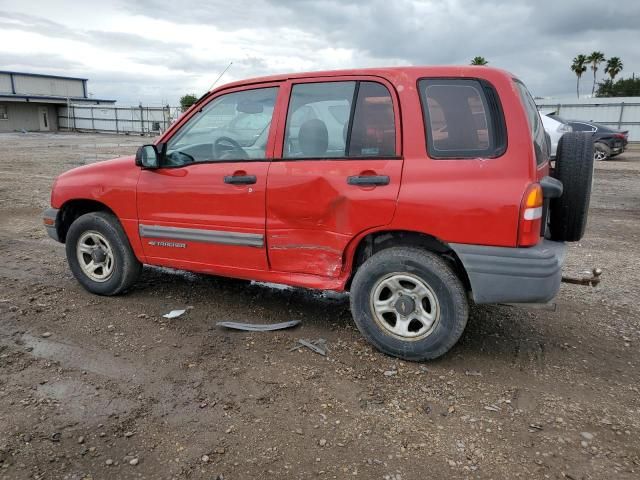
(234, 126)
(458, 119)
(340, 120)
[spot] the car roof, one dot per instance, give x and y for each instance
(389, 73)
(594, 124)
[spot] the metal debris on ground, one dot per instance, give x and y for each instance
(319, 346)
(258, 327)
(174, 314)
(592, 280)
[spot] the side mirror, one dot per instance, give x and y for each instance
(147, 157)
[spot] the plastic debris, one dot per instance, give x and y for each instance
(258, 327)
(174, 314)
(318, 346)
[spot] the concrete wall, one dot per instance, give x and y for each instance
(26, 116)
(59, 87)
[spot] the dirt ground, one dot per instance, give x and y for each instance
(104, 388)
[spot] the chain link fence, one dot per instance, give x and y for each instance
(138, 120)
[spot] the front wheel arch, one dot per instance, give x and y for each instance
(73, 209)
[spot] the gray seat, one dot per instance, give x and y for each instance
(313, 138)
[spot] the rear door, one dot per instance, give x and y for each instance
(336, 173)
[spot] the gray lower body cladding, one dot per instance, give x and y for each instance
(513, 275)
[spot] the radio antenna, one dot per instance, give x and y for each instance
(220, 76)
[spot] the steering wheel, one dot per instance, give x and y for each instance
(226, 148)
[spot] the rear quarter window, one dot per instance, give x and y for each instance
(463, 118)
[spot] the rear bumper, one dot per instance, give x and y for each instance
(50, 219)
(513, 275)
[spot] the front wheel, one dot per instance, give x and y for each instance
(99, 254)
(409, 303)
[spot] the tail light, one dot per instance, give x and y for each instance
(620, 135)
(530, 216)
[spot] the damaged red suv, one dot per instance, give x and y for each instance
(417, 189)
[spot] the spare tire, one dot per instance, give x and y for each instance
(574, 168)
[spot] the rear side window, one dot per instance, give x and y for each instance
(535, 124)
(353, 119)
(463, 118)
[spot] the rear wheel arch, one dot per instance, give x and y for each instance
(380, 240)
(72, 209)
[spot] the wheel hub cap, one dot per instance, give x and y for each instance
(99, 255)
(405, 305)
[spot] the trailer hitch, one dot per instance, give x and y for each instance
(592, 280)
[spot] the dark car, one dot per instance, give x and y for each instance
(608, 142)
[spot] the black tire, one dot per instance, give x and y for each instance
(437, 275)
(574, 168)
(126, 267)
(601, 152)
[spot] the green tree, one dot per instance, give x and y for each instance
(614, 67)
(625, 87)
(479, 61)
(578, 67)
(187, 100)
(595, 59)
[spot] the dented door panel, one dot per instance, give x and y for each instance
(313, 212)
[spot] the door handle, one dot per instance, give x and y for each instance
(240, 179)
(368, 180)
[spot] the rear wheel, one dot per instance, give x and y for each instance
(99, 254)
(409, 303)
(574, 168)
(601, 151)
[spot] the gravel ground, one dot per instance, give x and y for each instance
(94, 387)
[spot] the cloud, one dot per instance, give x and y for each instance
(189, 42)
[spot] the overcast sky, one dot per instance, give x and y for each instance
(153, 51)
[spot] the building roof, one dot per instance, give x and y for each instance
(26, 74)
(51, 99)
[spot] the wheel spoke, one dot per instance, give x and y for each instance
(93, 266)
(402, 326)
(425, 318)
(84, 248)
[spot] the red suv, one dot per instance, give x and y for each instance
(417, 189)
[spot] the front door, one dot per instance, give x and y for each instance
(338, 173)
(204, 209)
(43, 117)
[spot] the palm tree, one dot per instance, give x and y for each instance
(614, 67)
(595, 59)
(578, 67)
(479, 61)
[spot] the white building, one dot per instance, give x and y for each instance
(31, 102)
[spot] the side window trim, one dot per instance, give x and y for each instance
(395, 104)
(352, 115)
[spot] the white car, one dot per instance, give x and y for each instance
(555, 129)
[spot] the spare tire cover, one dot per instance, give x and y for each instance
(574, 168)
